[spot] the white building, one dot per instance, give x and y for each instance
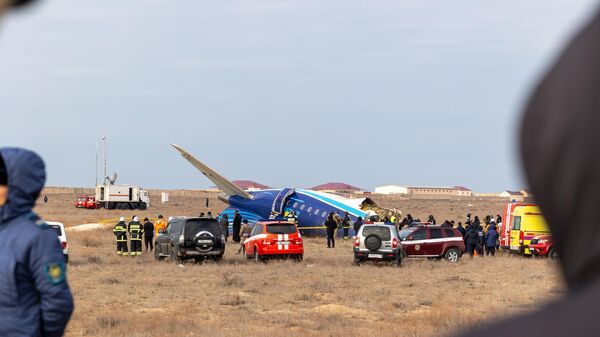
(391, 189)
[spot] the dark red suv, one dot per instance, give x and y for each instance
(432, 242)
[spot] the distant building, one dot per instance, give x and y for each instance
(440, 191)
(247, 185)
(336, 188)
(391, 189)
(512, 195)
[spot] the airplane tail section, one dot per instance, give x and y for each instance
(222, 183)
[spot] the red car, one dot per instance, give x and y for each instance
(274, 239)
(433, 242)
(542, 245)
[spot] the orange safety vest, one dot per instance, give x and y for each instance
(158, 225)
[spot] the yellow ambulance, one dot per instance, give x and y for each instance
(527, 222)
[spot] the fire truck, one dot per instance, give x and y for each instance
(122, 197)
(86, 201)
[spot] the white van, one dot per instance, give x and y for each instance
(62, 236)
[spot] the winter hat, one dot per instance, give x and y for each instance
(245, 221)
(135, 218)
(122, 219)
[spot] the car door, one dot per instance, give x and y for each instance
(251, 242)
(162, 240)
(414, 242)
(434, 244)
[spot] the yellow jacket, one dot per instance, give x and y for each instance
(158, 225)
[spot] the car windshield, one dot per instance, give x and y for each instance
(406, 232)
(281, 229)
(57, 229)
(194, 226)
(382, 231)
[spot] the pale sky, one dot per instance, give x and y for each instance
(286, 93)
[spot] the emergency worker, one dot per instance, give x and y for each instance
(136, 231)
(35, 299)
(245, 231)
(346, 225)
(160, 224)
(120, 231)
(491, 236)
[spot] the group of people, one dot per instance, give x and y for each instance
(136, 232)
(335, 221)
(479, 238)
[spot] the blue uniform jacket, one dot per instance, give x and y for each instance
(35, 299)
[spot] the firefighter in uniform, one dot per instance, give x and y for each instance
(135, 230)
(120, 231)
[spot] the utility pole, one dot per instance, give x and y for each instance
(105, 176)
(96, 163)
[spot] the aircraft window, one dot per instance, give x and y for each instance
(324, 214)
(317, 212)
(288, 203)
(302, 207)
(309, 209)
(295, 205)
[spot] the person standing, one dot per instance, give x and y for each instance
(480, 240)
(331, 226)
(346, 225)
(45, 199)
(431, 220)
(245, 231)
(120, 231)
(148, 235)
(357, 224)
(135, 230)
(461, 229)
(159, 225)
(224, 222)
(237, 225)
(471, 238)
(35, 298)
(490, 239)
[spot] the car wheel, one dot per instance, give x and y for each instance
(357, 261)
(157, 256)
(66, 256)
(452, 255)
(173, 256)
(553, 254)
(373, 242)
(398, 261)
(299, 258)
(218, 258)
(256, 256)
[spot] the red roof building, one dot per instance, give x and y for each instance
(336, 187)
(249, 185)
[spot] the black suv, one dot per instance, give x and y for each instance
(191, 238)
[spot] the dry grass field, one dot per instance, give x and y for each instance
(326, 295)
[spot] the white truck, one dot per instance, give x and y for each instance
(122, 197)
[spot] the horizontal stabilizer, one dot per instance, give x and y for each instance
(225, 185)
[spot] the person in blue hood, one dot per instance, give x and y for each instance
(491, 236)
(35, 299)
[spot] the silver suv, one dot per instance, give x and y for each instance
(377, 242)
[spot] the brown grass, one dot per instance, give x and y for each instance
(326, 295)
